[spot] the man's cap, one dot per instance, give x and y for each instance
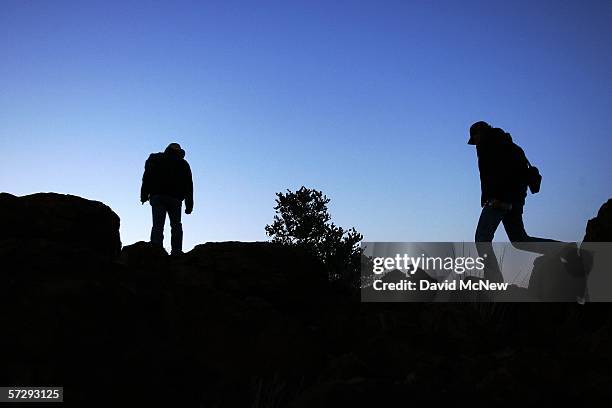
(176, 148)
(477, 127)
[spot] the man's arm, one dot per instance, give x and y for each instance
(188, 189)
(146, 177)
(486, 168)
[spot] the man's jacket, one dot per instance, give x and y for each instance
(503, 168)
(167, 173)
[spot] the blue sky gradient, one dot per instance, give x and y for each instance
(369, 102)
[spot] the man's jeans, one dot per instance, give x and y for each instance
(513, 224)
(160, 205)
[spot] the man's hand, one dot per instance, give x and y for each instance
(144, 198)
(188, 211)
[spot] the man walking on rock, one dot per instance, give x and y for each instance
(504, 177)
(166, 183)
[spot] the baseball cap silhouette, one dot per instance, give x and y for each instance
(176, 148)
(477, 127)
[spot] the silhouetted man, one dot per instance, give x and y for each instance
(503, 180)
(166, 183)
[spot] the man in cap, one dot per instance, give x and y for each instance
(166, 183)
(503, 170)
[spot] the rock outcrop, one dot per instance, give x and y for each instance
(599, 229)
(62, 219)
(235, 324)
(560, 276)
(568, 274)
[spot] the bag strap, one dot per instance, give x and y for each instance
(527, 160)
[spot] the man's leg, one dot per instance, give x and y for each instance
(513, 224)
(485, 231)
(158, 210)
(176, 227)
(487, 223)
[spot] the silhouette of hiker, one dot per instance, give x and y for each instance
(504, 178)
(166, 183)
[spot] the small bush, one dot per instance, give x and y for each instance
(302, 220)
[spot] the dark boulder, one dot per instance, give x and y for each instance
(568, 275)
(142, 253)
(559, 276)
(61, 218)
(597, 245)
(599, 229)
(235, 324)
(284, 276)
(146, 267)
(145, 257)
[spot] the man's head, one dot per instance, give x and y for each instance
(477, 131)
(175, 148)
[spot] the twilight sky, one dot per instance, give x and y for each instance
(368, 101)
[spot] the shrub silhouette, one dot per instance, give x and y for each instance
(302, 220)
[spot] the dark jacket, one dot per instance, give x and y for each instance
(167, 173)
(503, 168)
